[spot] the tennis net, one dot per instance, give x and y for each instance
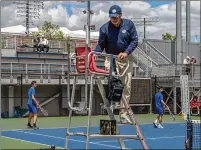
(193, 138)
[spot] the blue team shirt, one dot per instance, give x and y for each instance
(117, 39)
(158, 99)
(30, 93)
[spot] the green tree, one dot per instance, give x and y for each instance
(50, 31)
(60, 35)
(3, 43)
(168, 36)
(35, 33)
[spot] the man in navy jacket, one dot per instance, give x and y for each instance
(119, 37)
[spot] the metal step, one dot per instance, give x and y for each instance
(77, 134)
(114, 136)
(104, 136)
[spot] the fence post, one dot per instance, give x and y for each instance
(21, 82)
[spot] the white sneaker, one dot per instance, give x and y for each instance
(125, 118)
(155, 124)
(160, 126)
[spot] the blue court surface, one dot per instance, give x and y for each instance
(172, 136)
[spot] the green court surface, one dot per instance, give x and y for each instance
(58, 122)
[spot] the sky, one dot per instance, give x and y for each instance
(69, 14)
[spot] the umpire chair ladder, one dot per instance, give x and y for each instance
(94, 73)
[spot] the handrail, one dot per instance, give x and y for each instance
(29, 63)
(176, 65)
(180, 69)
(161, 54)
(157, 69)
(33, 52)
(145, 55)
(25, 57)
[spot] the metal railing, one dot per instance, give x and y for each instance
(150, 66)
(61, 69)
(149, 60)
(143, 61)
(162, 69)
(155, 54)
(144, 64)
(13, 41)
(23, 42)
(182, 69)
(29, 68)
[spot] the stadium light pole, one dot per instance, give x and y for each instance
(29, 10)
(179, 50)
(145, 22)
(188, 21)
(200, 42)
(88, 11)
(200, 33)
(0, 62)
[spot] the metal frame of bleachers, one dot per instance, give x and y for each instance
(30, 48)
(17, 41)
(42, 55)
(140, 68)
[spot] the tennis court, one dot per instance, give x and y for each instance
(172, 136)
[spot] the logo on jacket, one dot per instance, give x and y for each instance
(123, 31)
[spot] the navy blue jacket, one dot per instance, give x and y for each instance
(117, 39)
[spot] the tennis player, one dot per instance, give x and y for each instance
(160, 106)
(119, 37)
(32, 105)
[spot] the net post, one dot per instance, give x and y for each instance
(185, 96)
(188, 141)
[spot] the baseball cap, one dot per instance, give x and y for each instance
(115, 11)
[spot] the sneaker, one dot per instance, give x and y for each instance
(29, 125)
(160, 126)
(35, 127)
(155, 124)
(52, 147)
(125, 119)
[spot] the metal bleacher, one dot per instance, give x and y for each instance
(51, 67)
(38, 66)
(148, 61)
(42, 55)
(29, 59)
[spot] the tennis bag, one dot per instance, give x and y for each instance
(115, 89)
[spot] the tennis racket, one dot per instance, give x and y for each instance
(45, 113)
(171, 114)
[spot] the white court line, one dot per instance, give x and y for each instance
(91, 126)
(55, 137)
(157, 138)
(95, 143)
(28, 141)
(44, 128)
